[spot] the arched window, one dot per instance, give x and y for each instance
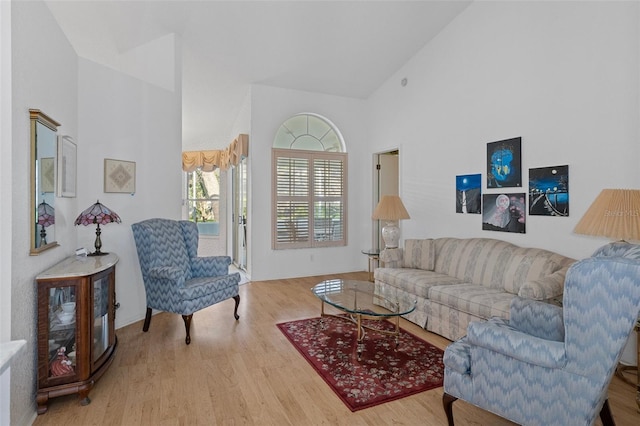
(309, 184)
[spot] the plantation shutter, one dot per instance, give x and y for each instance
(310, 199)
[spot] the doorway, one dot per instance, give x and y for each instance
(239, 210)
(386, 181)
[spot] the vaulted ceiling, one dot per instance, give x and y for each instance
(343, 48)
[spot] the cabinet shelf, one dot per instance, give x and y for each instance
(74, 353)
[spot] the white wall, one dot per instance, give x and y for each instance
(44, 76)
(5, 171)
(562, 75)
(270, 107)
(5, 204)
(110, 115)
(124, 118)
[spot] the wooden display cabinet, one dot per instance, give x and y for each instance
(76, 333)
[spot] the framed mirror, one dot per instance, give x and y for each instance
(43, 181)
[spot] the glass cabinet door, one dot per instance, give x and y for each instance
(102, 332)
(62, 331)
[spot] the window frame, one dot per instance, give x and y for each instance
(310, 198)
(215, 198)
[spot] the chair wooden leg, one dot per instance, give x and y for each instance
(235, 311)
(605, 414)
(147, 320)
(447, 403)
(187, 326)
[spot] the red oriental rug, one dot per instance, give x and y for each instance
(383, 374)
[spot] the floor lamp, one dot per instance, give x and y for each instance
(615, 214)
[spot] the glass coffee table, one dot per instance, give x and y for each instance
(358, 301)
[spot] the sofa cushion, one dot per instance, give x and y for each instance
(419, 254)
(523, 268)
(473, 299)
(414, 281)
(474, 260)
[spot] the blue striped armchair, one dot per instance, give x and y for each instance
(175, 279)
(549, 365)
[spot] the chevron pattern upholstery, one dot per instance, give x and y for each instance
(175, 279)
(548, 365)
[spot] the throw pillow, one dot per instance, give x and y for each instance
(419, 254)
(544, 288)
(523, 268)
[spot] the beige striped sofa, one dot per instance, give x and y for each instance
(456, 281)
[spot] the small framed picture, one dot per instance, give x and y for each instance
(119, 176)
(67, 167)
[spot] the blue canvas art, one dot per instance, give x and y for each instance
(549, 191)
(468, 194)
(504, 164)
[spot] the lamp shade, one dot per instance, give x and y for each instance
(97, 213)
(46, 215)
(390, 207)
(615, 213)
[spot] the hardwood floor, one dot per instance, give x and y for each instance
(247, 373)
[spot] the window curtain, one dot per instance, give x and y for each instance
(208, 161)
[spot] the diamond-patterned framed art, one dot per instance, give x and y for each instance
(119, 176)
(47, 174)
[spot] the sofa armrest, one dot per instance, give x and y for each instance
(391, 258)
(544, 288)
(536, 318)
(505, 340)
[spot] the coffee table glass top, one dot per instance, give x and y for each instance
(357, 297)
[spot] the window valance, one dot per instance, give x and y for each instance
(222, 158)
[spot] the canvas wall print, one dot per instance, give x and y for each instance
(468, 194)
(504, 164)
(504, 212)
(549, 191)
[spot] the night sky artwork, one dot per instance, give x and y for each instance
(504, 212)
(468, 194)
(504, 164)
(549, 191)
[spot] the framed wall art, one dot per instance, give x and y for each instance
(67, 167)
(119, 176)
(504, 164)
(549, 191)
(504, 213)
(468, 194)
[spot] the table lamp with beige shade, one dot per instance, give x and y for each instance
(615, 214)
(390, 209)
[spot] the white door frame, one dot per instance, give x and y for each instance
(386, 181)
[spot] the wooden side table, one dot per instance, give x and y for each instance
(620, 370)
(374, 259)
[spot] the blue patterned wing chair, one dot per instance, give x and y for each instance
(549, 365)
(175, 279)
